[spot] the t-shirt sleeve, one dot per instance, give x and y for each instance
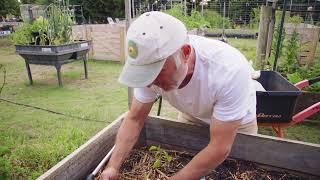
(145, 95)
(233, 97)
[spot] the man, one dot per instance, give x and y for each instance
(207, 80)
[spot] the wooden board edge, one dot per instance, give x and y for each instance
(283, 153)
(66, 164)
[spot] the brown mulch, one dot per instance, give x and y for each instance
(140, 165)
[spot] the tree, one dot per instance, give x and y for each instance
(9, 7)
(101, 9)
(97, 10)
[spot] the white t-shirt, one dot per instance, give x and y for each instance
(220, 87)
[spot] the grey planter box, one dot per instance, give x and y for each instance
(54, 55)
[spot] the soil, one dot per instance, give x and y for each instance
(139, 165)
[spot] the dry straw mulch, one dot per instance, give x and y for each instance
(140, 165)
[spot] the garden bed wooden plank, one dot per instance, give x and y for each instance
(272, 151)
(295, 156)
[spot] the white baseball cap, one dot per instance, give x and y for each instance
(151, 38)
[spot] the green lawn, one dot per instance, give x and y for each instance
(33, 140)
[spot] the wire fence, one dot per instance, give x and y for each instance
(236, 13)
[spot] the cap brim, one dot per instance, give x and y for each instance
(140, 76)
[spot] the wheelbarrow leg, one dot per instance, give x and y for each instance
(279, 131)
(58, 67)
(29, 72)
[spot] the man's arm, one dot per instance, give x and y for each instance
(128, 135)
(222, 135)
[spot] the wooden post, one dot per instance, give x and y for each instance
(128, 21)
(270, 31)
(122, 44)
(133, 9)
(265, 14)
(91, 38)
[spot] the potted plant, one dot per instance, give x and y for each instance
(49, 41)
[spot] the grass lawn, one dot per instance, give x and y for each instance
(32, 140)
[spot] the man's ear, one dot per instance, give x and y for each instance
(186, 51)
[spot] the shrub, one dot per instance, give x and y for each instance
(216, 20)
(195, 20)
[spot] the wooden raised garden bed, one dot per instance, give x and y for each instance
(271, 152)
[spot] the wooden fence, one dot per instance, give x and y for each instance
(107, 40)
(309, 37)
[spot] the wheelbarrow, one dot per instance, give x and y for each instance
(276, 105)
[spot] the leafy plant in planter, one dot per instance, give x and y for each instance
(23, 34)
(53, 29)
(59, 27)
(49, 41)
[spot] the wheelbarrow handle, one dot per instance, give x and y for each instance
(307, 82)
(314, 80)
(315, 108)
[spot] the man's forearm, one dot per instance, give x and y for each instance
(127, 136)
(206, 160)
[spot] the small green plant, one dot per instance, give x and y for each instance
(292, 50)
(161, 156)
(23, 34)
(311, 71)
(275, 43)
(295, 19)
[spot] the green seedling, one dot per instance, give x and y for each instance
(161, 156)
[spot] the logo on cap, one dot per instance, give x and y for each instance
(132, 49)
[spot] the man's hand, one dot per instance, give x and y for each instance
(222, 135)
(127, 136)
(109, 174)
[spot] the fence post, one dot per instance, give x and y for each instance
(122, 44)
(271, 31)
(265, 14)
(128, 21)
